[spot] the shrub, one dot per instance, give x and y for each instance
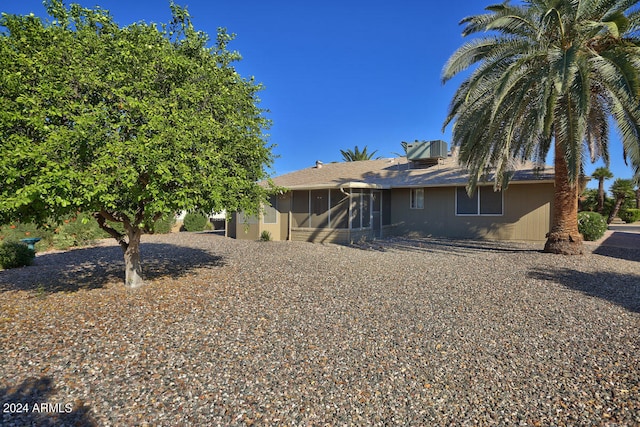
(195, 222)
(591, 225)
(78, 230)
(14, 254)
(629, 215)
(164, 225)
(265, 236)
(15, 231)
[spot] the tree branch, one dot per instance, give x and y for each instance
(102, 218)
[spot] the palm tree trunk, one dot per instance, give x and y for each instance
(564, 237)
(615, 210)
(600, 195)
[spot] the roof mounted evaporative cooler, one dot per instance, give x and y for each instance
(427, 152)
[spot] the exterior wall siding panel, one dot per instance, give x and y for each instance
(526, 215)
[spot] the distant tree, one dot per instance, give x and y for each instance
(129, 124)
(356, 155)
(622, 189)
(547, 74)
(404, 146)
(601, 174)
(589, 200)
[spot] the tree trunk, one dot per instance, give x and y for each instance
(600, 195)
(564, 237)
(638, 198)
(133, 267)
(615, 210)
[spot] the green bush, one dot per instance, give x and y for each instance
(77, 230)
(591, 225)
(15, 231)
(629, 215)
(164, 225)
(195, 222)
(265, 236)
(14, 254)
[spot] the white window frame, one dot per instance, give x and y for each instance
(416, 198)
(479, 193)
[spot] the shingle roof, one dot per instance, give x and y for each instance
(396, 173)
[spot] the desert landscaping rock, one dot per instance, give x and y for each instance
(397, 332)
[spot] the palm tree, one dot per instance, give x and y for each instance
(547, 73)
(601, 174)
(621, 190)
(357, 155)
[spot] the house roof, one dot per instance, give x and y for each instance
(397, 173)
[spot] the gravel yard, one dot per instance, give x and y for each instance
(402, 332)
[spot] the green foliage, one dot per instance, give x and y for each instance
(624, 195)
(630, 215)
(14, 254)
(546, 73)
(356, 155)
(77, 230)
(73, 230)
(15, 231)
(164, 225)
(265, 236)
(623, 189)
(134, 123)
(591, 225)
(602, 173)
(195, 221)
(590, 199)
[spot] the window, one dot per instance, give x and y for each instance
(484, 201)
(417, 198)
(269, 215)
(490, 201)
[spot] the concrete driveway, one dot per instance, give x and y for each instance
(625, 236)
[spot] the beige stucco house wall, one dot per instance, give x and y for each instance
(353, 201)
(526, 214)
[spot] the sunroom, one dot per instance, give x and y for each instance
(350, 213)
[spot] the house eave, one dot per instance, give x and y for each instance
(338, 186)
(372, 186)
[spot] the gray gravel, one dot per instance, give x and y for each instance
(401, 332)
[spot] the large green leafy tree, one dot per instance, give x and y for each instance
(127, 123)
(548, 74)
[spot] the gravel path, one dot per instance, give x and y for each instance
(402, 332)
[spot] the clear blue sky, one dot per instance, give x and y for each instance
(337, 73)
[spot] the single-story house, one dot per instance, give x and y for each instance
(419, 195)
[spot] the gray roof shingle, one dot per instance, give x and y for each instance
(396, 173)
